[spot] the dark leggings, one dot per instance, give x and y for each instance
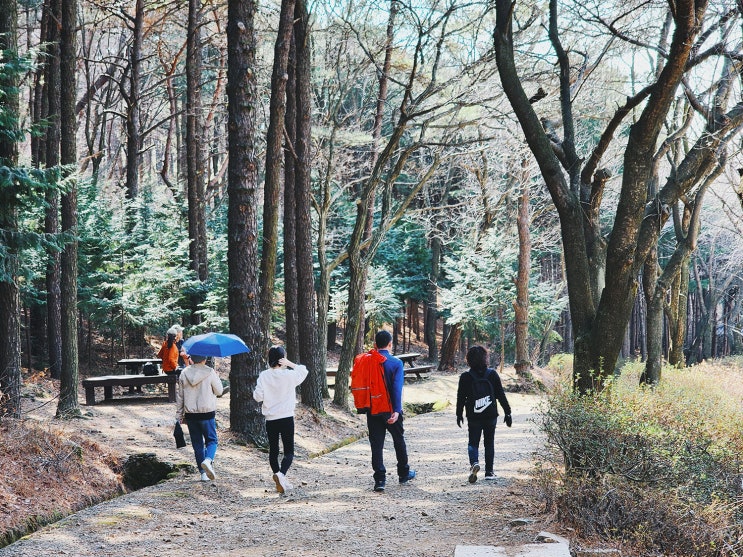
(284, 428)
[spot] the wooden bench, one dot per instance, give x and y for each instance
(418, 371)
(108, 382)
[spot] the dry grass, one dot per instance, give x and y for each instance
(48, 473)
(658, 469)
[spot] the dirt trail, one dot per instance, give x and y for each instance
(331, 512)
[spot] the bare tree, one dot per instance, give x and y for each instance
(600, 312)
(132, 97)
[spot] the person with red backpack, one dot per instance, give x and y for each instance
(477, 392)
(389, 418)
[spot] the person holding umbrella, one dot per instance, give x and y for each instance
(276, 389)
(196, 404)
(197, 391)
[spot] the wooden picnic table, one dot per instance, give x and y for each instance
(108, 382)
(133, 366)
(408, 358)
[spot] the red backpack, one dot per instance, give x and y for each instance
(368, 386)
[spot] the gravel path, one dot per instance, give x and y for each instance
(331, 512)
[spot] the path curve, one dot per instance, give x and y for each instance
(332, 511)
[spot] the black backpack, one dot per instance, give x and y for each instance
(483, 395)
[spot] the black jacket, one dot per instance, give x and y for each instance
(464, 393)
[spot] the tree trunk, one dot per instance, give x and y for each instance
(654, 298)
(354, 321)
(133, 137)
(274, 155)
(432, 298)
(309, 350)
(521, 304)
(242, 220)
(450, 347)
(196, 161)
(51, 221)
(677, 316)
(10, 326)
(68, 405)
(290, 212)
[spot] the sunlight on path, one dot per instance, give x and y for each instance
(332, 511)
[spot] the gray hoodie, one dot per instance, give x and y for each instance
(197, 390)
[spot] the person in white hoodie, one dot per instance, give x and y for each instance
(196, 405)
(276, 389)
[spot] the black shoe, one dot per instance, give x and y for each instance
(379, 485)
(410, 476)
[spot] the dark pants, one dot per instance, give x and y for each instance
(284, 428)
(378, 428)
(486, 428)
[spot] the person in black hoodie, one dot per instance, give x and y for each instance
(478, 389)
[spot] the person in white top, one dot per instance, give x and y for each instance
(276, 389)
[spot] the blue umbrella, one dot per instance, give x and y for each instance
(215, 344)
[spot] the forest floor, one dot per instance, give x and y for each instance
(331, 511)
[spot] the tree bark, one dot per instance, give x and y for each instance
(242, 220)
(274, 155)
(291, 287)
(654, 321)
(132, 98)
(521, 304)
(51, 220)
(432, 298)
(450, 347)
(68, 404)
(312, 387)
(677, 316)
(196, 161)
(10, 326)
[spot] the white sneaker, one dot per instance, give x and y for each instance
(282, 484)
(208, 466)
(204, 477)
(473, 473)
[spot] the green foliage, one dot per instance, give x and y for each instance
(382, 304)
(406, 257)
(132, 272)
(22, 189)
(637, 461)
(482, 285)
(482, 290)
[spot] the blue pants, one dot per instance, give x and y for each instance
(486, 428)
(284, 428)
(378, 428)
(203, 439)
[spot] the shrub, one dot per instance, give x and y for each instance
(657, 468)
